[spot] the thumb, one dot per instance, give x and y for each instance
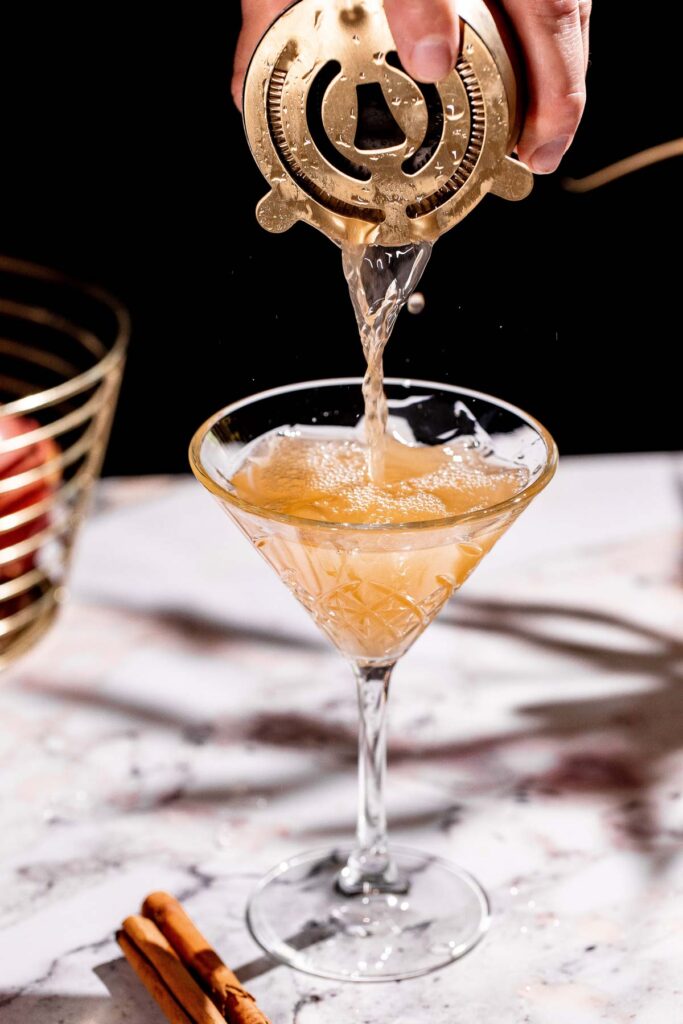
(426, 33)
(256, 18)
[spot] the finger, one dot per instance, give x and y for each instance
(256, 18)
(426, 36)
(550, 32)
(585, 17)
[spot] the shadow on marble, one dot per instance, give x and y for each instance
(65, 1010)
(208, 632)
(305, 732)
(652, 716)
(644, 726)
(58, 1009)
(517, 619)
(309, 936)
(127, 1000)
(650, 719)
(661, 711)
(232, 796)
(443, 817)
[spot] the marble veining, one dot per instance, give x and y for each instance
(185, 726)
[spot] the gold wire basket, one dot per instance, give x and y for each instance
(62, 353)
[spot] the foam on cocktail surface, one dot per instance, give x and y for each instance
(323, 475)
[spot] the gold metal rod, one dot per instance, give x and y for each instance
(32, 578)
(646, 158)
(53, 466)
(35, 510)
(61, 392)
(23, 268)
(18, 387)
(111, 361)
(78, 348)
(82, 479)
(23, 618)
(58, 323)
(27, 547)
(57, 427)
(32, 354)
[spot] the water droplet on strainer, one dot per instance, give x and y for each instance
(356, 40)
(469, 48)
(416, 303)
(378, 57)
(453, 113)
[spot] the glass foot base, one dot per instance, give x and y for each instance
(299, 915)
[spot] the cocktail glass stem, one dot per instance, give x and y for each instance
(370, 867)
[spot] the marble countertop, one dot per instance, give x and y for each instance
(184, 726)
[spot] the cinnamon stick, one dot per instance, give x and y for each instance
(224, 987)
(155, 949)
(171, 1010)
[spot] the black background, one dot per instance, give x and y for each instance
(124, 162)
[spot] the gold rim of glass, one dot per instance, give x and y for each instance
(80, 382)
(523, 496)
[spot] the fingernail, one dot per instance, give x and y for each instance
(432, 58)
(547, 158)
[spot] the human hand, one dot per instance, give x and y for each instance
(554, 39)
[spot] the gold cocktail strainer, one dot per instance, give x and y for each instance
(352, 145)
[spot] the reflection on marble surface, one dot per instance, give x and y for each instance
(184, 727)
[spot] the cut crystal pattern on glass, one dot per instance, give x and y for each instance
(366, 608)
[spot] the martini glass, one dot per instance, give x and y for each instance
(371, 911)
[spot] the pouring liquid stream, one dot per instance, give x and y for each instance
(380, 281)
